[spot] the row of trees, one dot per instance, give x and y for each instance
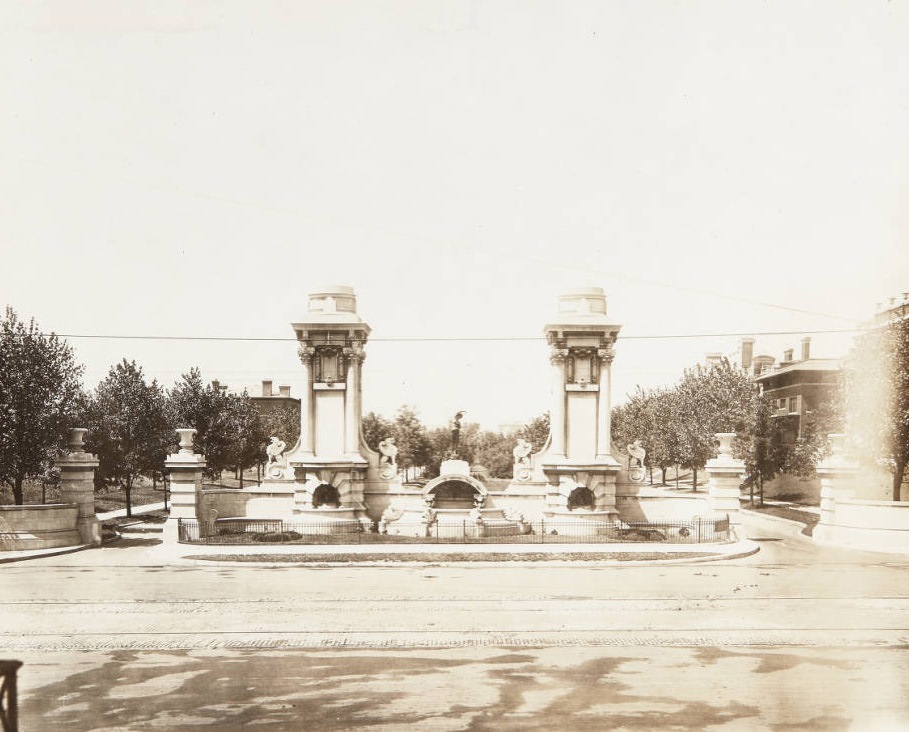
(677, 425)
(130, 420)
(131, 426)
(421, 449)
(870, 404)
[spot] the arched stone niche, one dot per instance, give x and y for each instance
(324, 487)
(581, 497)
(454, 491)
(588, 492)
(326, 494)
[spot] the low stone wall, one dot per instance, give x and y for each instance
(874, 525)
(38, 527)
(641, 502)
(257, 502)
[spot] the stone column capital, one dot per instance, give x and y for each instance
(557, 355)
(606, 353)
(306, 354)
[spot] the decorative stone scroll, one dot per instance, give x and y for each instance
(636, 455)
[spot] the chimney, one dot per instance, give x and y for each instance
(787, 355)
(266, 388)
(216, 385)
(747, 353)
(806, 348)
(713, 359)
(762, 364)
(284, 391)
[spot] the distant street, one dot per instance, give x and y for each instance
(794, 637)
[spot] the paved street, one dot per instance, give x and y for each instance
(793, 637)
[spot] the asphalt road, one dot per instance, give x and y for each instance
(794, 637)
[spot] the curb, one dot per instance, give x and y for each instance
(744, 548)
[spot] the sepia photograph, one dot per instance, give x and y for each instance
(454, 365)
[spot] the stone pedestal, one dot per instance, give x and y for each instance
(837, 476)
(724, 474)
(185, 470)
(77, 485)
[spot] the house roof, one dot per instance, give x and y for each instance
(812, 364)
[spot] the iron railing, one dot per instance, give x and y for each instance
(277, 531)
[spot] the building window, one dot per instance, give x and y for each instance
(793, 405)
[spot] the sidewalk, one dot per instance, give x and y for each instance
(102, 517)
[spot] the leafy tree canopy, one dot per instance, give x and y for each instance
(127, 427)
(39, 390)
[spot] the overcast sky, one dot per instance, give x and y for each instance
(195, 169)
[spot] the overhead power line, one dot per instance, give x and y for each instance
(456, 339)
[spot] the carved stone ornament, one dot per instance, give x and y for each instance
(558, 355)
(306, 354)
(606, 353)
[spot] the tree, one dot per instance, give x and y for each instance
(283, 422)
(707, 401)
(200, 406)
(127, 427)
(536, 432)
(375, 429)
(758, 443)
(246, 432)
(494, 451)
(410, 437)
(39, 388)
(877, 398)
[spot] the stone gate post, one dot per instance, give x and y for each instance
(837, 476)
(77, 485)
(724, 474)
(185, 469)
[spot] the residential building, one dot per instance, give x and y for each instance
(794, 386)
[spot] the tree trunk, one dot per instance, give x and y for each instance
(898, 475)
(18, 497)
(663, 471)
(129, 492)
(694, 479)
(240, 470)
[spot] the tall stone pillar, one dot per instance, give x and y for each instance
(578, 465)
(724, 475)
(330, 458)
(307, 433)
(604, 404)
(837, 476)
(77, 485)
(354, 355)
(185, 470)
(557, 357)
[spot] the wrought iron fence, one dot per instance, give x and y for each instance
(277, 531)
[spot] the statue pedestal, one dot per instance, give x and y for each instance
(454, 467)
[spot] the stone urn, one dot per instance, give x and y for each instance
(725, 449)
(186, 440)
(76, 436)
